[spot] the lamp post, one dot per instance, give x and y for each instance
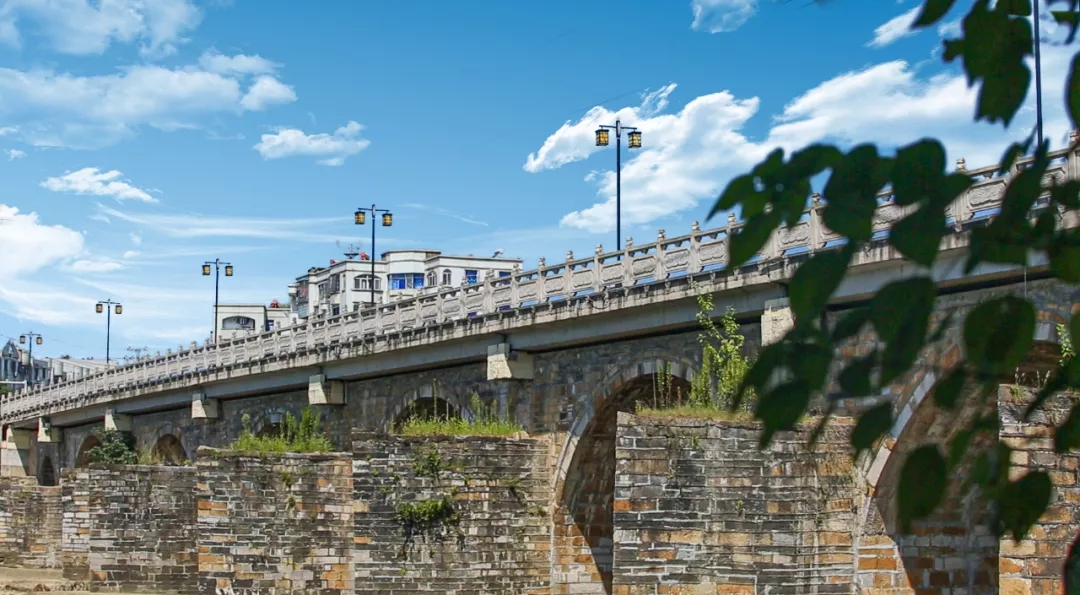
(634, 142)
(387, 220)
(31, 338)
(1038, 75)
(108, 307)
(217, 264)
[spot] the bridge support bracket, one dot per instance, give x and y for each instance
(117, 422)
(204, 408)
(15, 452)
(776, 321)
(503, 363)
(325, 392)
(47, 434)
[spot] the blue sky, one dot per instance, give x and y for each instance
(142, 137)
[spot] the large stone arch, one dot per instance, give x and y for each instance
(169, 450)
(582, 520)
(82, 459)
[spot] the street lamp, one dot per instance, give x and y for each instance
(104, 306)
(387, 220)
(634, 142)
(32, 338)
(217, 264)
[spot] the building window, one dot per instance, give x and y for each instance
(335, 310)
(238, 323)
(431, 279)
(504, 273)
(363, 282)
(447, 277)
(356, 306)
(417, 280)
(470, 277)
(398, 281)
(269, 325)
(406, 281)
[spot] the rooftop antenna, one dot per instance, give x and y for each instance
(138, 351)
(352, 251)
(498, 253)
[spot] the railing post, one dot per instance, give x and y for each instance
(693, 266)
(660, 270)
(627, 260)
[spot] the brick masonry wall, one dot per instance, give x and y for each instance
(30, 520)
(500, 490)
(1034, 565)
(133, 526)
(696, 503)
(278, 524)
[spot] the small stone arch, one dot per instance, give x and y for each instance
(168, 450)
(47, 472)
(425, 396)
(82, 459)
(582, 522)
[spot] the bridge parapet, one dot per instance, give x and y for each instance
(663, 259)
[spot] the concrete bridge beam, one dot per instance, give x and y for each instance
(322, 391)
(47, 434)
(117, 422)
(203, 407)
(15, 452)
(503, 363)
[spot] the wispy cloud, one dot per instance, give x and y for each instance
(89, 180)
(895, 29)
(14, 154)
(445, 212)
(332, 148)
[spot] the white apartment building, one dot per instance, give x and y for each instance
(15, 367)
(347, 285)
(236, 320)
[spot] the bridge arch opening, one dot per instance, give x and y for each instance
(47, 473)
(583, 520)
(168, 450)
(426, 409)
(82, 459)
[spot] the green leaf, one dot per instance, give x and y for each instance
(852, 191)
(871, 425)
(855, 380)
(781, 408)
(1023, 501)
(918, 172)
(749, 239)
(1020, 8)
(948, 390)
(815, 281)
(850, 324)
(1064, 253)
(1067, 435)
(809, 362)
(918, 236)
(932, 12)
(999, 333)
(901, 315)
(942, 328)
(922, 485)
(994, 47)
(1072, 92)
(737, 191)
(1015, 151)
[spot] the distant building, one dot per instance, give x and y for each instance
(15, 367)
(64, 368)
(236, 320)
(347, 285)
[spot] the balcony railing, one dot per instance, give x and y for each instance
(634, 264)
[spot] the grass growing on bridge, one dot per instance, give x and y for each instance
(296, 436)
(715, 386)
(485, 421)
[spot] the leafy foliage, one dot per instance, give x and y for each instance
(295, 435)
(485, 421)
(996, 40)
(116, 448)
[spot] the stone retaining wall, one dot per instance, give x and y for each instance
(30, 521)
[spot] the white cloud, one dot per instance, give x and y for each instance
(14, 154)
(199, 226)
(136, 239)
(895, 29)
(688, 156)
(62, 109)
(445, 213)
(89, 180)
(265, 92)
(82, 27)
(95, 266)
(5, 130)
(721, 16)
(214, 61)
(29, 245)
(131, 254)
(333, 148)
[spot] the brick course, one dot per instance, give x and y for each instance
(30, 519)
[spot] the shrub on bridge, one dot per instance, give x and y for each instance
(302, 435)
(994, 42)
(116, 448)
(485, 421)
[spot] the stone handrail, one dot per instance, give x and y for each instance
(662, 259)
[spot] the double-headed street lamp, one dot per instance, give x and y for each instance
(387, 220)
(108, 307)
(634, 138)
(217, 264)
(31, 338)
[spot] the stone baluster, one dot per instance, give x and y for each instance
(693, 266)
(817, 225)
(1073, 160)
(541, 280)
(627, 260)
(488, 288)
(660, 269)
(568, 275)
(729, 232)
(958, 209)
